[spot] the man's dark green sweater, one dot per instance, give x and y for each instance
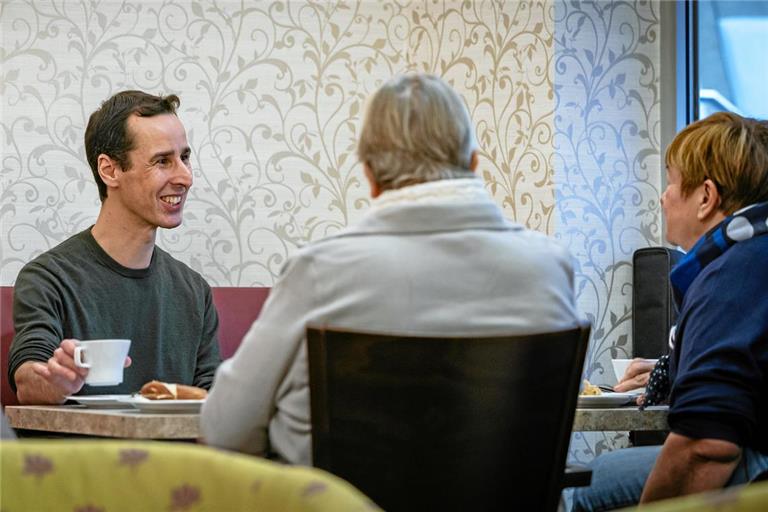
(76, 290)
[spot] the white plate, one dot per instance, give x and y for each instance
(607, 400)
(166, 406)
(102, 401)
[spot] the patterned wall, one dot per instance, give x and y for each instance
(564, 95)
(607, 167)
(272, 94)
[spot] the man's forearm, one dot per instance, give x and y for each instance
(33, 389)
(687, 466)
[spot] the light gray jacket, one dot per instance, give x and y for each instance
(430, 269)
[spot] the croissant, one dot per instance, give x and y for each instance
(156, 390)
(590, 389)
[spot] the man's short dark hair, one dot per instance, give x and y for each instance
(107, 131)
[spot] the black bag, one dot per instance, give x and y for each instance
(653, 307)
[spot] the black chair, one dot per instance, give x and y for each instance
(653, 307)
(653, 314)
(422, 423)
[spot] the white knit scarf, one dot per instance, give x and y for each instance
(451, 191)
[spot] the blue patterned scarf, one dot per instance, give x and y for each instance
(746, 223)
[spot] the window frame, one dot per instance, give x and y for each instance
(687, 46)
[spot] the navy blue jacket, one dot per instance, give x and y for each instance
(719, 368)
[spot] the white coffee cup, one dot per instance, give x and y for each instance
(104, 359)
(620, 368)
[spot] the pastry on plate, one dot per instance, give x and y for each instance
(156, 390)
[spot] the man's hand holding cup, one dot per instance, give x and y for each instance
(92, 362)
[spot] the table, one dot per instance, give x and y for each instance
(115, 423)
(134, 424)
(621, 419)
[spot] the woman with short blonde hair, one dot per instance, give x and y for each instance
(716, 208)
(728, 149)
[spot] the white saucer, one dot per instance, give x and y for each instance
(166, 406)
(102, 401)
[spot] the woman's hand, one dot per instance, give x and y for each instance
(637, 375)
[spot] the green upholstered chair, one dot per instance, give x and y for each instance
(744, 498)
(117, 476)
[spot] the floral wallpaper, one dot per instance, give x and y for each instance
(607, 168)
(272, 94)
(564, 96)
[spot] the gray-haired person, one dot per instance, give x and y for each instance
(433, 256)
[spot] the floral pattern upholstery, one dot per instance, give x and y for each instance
(121, 476)
(745, 498)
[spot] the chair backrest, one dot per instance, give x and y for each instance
(238, 308)
(123, 476)
(653, 306)
(446, 423)
(740, 498)
(7, 396)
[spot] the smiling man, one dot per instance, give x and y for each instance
(111, 281)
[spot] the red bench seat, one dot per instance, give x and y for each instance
(237, 308)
